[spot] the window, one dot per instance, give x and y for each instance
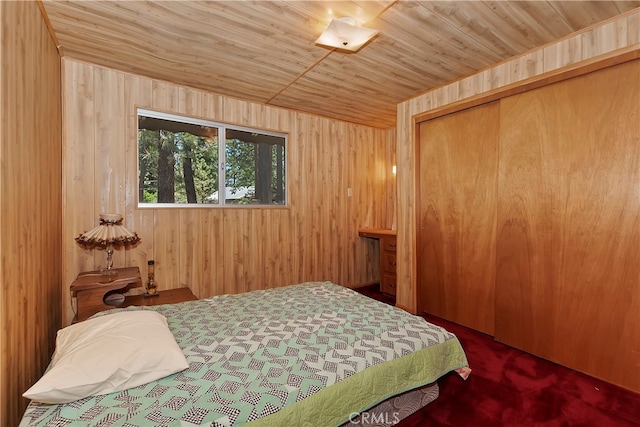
(191, 162)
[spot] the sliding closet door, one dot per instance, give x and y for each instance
(457, 215)
(568, 249)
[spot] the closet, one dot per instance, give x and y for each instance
(529, 221)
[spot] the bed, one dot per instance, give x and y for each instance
(312, 354)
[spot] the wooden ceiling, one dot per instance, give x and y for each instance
(265, 51)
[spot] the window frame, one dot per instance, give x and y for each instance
(222, 162)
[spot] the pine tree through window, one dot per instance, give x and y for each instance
(192, 162)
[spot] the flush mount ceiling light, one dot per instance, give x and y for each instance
(344, 34)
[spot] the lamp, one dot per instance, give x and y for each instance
(344, 34)
(109, 234)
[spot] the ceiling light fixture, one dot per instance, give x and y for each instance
(345, 34)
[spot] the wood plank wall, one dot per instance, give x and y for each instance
(223, 250)
(601, 40)
(31, 195)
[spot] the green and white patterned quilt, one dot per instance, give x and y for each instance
(311, 354)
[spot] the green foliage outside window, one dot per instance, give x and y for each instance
(179, 163)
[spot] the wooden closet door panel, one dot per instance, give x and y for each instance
(456, 216)
(568, 270)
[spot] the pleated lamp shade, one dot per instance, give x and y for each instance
(108, 234)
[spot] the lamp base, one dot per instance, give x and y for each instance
(148, 295)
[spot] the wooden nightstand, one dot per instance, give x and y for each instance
(95, 292)
(168, 296)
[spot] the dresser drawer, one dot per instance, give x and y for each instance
(388, 262)
(388, 244)
(388, 284)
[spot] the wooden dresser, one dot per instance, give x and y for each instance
(388, 265)
(387, 240)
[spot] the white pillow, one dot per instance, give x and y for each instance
(109, 353)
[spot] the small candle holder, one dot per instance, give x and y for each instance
(151, 285)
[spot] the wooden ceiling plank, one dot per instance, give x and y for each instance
(265, 51)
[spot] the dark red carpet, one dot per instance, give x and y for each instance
(508, 387)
